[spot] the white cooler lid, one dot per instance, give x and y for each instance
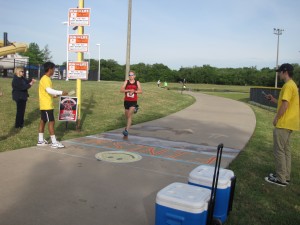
(184, 197)
(203, 175)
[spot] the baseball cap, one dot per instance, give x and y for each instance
(285, 67)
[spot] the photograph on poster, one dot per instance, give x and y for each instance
(67, 108)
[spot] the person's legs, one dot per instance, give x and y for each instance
(22, 112)
(17, 122)
(288, 157)
(55, 143)
(41, 140)
(128, 114)
(51, 127)
(21, 105)
(42, 126)
(280, 137)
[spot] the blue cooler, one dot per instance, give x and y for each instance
(182, 204)
(202, 176)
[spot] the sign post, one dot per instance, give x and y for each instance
(78, 70)
(78, 43)
(79, 17)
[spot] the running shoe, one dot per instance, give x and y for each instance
(42, 143)
(125, 133)
(136, 108)
(57, 145)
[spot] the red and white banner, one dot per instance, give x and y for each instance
(78, 43)
(79, 17)
(78, 70)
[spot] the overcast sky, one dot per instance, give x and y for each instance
(231, 33)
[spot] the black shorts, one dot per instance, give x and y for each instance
(47, 115)
(128, 104)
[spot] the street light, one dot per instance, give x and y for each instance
(277, 32)
(128, 40)
(67, 23)
(99, 61)
(89, 57)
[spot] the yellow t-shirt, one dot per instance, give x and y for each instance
(290, 119)
(46, 100)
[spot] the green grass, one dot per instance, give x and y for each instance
(101, 110)
(211, 87)
(256, 202)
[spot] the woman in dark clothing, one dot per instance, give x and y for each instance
(20, 86)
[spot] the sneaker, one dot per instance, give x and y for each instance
(274, 180)
(136, 108)
(125, 133)
(42, 143)
(57, 145)
(274, 176)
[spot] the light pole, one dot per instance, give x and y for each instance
(128, 40)
(277, 32)
(99, 62)
(67, 23)
(89, 55)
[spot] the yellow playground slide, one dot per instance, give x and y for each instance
(12, 49)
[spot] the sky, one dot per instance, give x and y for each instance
(231, 33)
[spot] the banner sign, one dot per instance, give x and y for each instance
(79, 17)
(67, 108)
(78, 43)
(78, 70)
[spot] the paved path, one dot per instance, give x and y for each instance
(41, 186)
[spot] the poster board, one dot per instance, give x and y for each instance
(79, 17)
(78, 43)
(68, 108)
(78, 70)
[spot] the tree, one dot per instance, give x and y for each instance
(36, 55)
(46, 54)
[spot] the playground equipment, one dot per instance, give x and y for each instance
(8, 57)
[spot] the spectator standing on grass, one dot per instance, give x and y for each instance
(20, 86)
(130, 88)
(46, 94)
(166, 84)
(158, 83)
(286, 121)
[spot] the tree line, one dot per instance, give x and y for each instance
(111, 70)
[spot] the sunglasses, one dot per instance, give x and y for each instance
(130, 75)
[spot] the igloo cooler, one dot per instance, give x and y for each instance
(182, 204)
(202, 176)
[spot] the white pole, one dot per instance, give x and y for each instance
(67, 23)
(277, 32)
(128, 40)
(99, 70)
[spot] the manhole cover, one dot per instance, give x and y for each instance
(118, 156)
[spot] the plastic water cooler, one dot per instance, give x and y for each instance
(202, 176)
(182, 204)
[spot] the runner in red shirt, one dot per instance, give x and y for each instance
(130, 88)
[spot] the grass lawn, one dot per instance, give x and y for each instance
(256, 202)
(101, 110)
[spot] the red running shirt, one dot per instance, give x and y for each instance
(131, 97)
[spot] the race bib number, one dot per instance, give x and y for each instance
(130, 95)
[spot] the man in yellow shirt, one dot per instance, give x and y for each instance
(46, 94)
(286, 121)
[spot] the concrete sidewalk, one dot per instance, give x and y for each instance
(41, 186)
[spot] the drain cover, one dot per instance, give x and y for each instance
(118, 156)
